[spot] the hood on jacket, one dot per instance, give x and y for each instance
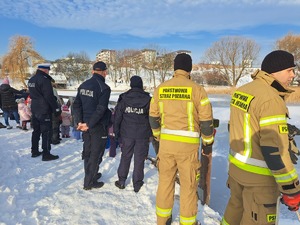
(4, 87)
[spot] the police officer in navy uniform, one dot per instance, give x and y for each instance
(92, 116)
(132, 126)
(43, 104)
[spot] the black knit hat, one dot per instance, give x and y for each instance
(183, 61)
(136, 82)
(277, 60)
(99, 66)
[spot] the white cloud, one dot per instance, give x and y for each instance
(147, 18)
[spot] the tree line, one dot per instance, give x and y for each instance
(225, 62)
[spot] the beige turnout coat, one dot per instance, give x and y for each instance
(259, 148)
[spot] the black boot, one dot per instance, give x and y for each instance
(49, 157)
(35, 154)
(94, 185)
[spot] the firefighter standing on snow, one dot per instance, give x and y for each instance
(179, 110)
(260, 166)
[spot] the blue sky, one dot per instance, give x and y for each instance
(58, 27)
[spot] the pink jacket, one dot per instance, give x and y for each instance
(66, 118)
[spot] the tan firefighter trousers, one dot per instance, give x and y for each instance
(250, 205)
(188, 166)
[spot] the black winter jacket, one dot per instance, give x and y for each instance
(132, 115)
(41, 94)
(8, 99)
(91, 103)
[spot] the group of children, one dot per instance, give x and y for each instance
(25, 116)
(66, 123)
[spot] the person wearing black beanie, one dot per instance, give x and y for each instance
(278, 61)
(260, 166)
(183, 61)
(131, 127)
(180, 116)
(136, 82)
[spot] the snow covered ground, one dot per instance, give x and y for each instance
(36, 192)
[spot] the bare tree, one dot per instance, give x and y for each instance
(127, 63)
(231, 56)
(165, 65)
(115, 68)
(76, 66)
(291, 43)
(20, 58)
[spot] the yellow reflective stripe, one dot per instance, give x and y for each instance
(163, 212)
(208, 141)
(286, 177)
(249, 168)
(161, 111)
(152, 100)
(204, 102)
(224, 222)
(247, 135)
(187, 220)
(156, 133)
(172, 137)
(190, 109)
(278, 119)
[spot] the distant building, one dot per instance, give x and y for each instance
(107, 56)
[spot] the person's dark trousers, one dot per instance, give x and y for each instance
(93, 150)
(11, 112)
(113, 146)
(139, 148)
(55, 129)
(41, 124)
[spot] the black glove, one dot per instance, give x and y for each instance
(294, 151)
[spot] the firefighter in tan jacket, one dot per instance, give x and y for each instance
(179, 111)
(260, 166)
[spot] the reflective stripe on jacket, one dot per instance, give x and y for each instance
(259, 136)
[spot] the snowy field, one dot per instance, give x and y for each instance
(33, 192)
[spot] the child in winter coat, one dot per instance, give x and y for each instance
(24, 112)
(66, 121)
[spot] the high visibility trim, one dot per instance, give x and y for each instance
(286, 177)
(187, 220)
(204, 102)
(208, 141)
(171, 137)
(247, 160)
(152, 100)
(161, 111)
(247, 136)
(248, 167)
(156, 133)
(224, 222)
(181, 132)
(190, 109)
(163, 212)
(278, 119)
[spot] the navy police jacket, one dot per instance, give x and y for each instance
(132, 115)
(91, 102)
(43, 100)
